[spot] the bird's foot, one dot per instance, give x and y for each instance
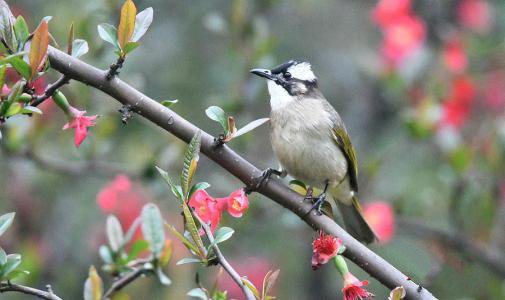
(317, 204)
(262, 179)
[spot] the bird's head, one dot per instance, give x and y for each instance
(288, 82)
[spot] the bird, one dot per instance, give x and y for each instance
(311, 142)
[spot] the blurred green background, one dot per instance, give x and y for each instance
(200, 52)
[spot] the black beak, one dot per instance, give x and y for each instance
(263, 73)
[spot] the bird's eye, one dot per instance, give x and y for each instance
(287, 75)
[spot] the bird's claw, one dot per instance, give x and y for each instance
(262, 179)
(317, 204)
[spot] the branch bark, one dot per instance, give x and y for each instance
(160, 115)
(123, 281)
(11, 287)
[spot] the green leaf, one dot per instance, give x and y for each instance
(105, 254)
(176, 190)
(126, 23)
(108, 33)
(16, 273)
(217, 114)
(3, 257)
(3, 71)
(93, 287)
(188, 260)
(152, 228)
(13, 261)
(268, 282)
(251, 126)
(198, 186)
(21, 29)
(219, 295)
(190, 163)
(13, 109)
(251, 286)
(198, 293)
(6, 221)
(137, 248)
(193, 230)
(168, 103)
(21, 66)
(142, 22)
(7, 28)
(31, 110)
(183, 239)
(162, 277)
(223, 234)
(70, 39)
(79, 48)
(130, 46)
(115, 233)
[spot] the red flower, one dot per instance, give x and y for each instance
(123, 199)
(386, 11)
(456, 108)
(381, 218)
(353, 288)
(475, 15)
(454, 56)
(81, 123)
(402, 37)
(237, 203)
(325, 247)
(207, 208)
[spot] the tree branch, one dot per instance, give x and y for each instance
(492, 259)
(223, 262)
(123, 281)
(239, 167)
(11, 287)
(50, 90)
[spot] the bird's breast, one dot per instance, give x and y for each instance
(302, 140)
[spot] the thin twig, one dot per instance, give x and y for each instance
(223, 262)
(236, 165)
(11, 287)
(50, 90)
(124, 281)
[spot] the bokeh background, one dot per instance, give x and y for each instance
(419, 84)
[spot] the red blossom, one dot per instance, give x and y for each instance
(237, 203)
(386, 11)
(402, 37)
(124, 199)
(457, 106)
(454, 56)
(380, 216)
(325, 247)
(353, 288)
(80, 123)
(475, 15)
(207, 208)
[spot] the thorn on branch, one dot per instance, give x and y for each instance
(114, 68)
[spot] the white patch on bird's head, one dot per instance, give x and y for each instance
(279, 97)
(302, 71)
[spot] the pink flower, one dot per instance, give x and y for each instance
(325, 247)
(207, 208)
(5, 90)
(386, 11)
(454, 56)
(123, 199)
(402, 37)
(381, 218)
(456, 108)
(237, 203)
(475, 15)
(80, 123)
(353, 288)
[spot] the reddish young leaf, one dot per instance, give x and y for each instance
(38, 47)
(126, 23)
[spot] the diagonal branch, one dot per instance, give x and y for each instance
(123, 281)
(11, 287)
(239, 167)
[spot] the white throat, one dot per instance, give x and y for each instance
(279, 97)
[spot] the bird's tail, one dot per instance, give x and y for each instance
(354, 221)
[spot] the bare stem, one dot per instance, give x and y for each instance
(123, 281)
(223, 262)
(50, 90)
(11, 287)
